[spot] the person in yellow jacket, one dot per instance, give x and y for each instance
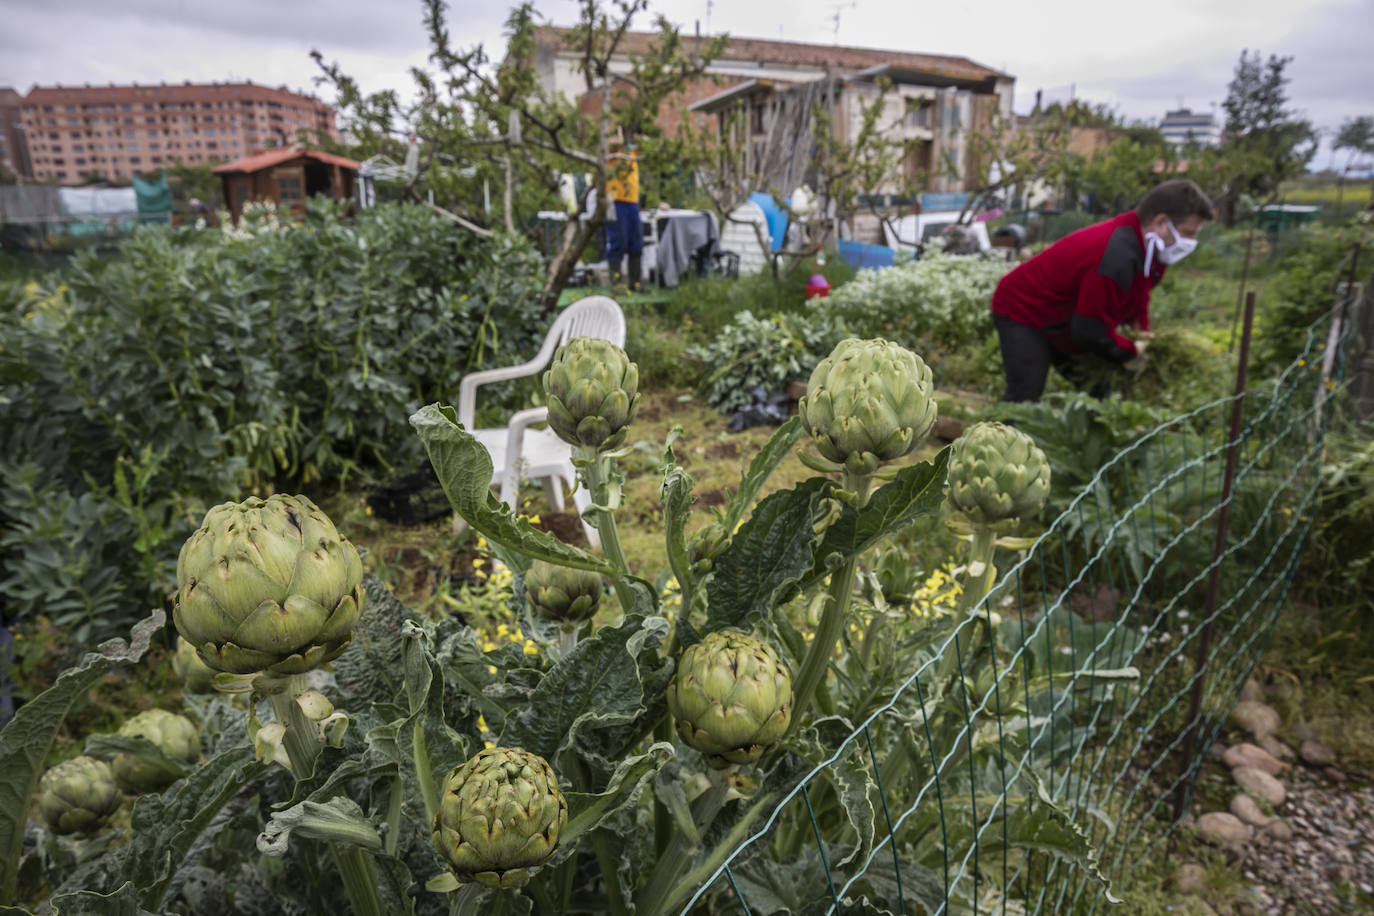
(625, 233)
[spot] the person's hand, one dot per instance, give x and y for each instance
(1140, 346)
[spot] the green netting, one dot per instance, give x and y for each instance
(1038, 747)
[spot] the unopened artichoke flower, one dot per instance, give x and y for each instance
(500, 815)
(593, 393)
(997, 473)
(195, 675)
(731, 698)
(708, 543)
(268, 586)
(563, 594)
(78, 795)
(868, 402)
(176, 736)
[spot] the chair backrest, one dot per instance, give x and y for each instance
(595, 316)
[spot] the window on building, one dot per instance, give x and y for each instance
(59, 161)
(134, 160)
(61, 173)
(78, 148)
(154, 133)
(131, 147)
(154, 146)
(155, 159)
(81, 161)
(211, 145)
(47, 108)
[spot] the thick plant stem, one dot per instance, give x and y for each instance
(359, 879)
(597, 473)
(978, 580)
(615, 896)
(818, 655)
(677, 855)
(567, 639)
(301, 739)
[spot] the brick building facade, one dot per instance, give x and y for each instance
(120, 131)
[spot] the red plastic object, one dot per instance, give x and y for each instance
(817, 287)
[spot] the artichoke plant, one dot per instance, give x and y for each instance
(175, 736)
(78, 795)
(731, 698)
(195, 675)
(562, 594)
(868, 402)
(708, 543)
(593, 393)
(500, 815)
(997, 473)
(268, 586)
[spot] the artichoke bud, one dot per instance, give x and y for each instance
(898, 576)
(500, 815)
(78, 795)
(195, 675)
(868, 402)
(268, 586)
(707, 544)
(563, 594)
(175, 736)
(997, 473)
(593, 393)
(731, 698)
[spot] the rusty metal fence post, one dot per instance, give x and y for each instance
(1218, 549)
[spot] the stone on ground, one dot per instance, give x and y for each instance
(1250, 755)
(1255, 718)
(1225, 830)
(1245, 808)
(1260, 784)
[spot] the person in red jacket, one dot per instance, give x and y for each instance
(1066, 306)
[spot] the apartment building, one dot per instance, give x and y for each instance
(13, 158)
(1185, 126)
(115, 132)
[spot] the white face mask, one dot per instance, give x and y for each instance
(1168, 254)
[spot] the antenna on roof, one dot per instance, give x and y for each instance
(709, 5)
(838, 7)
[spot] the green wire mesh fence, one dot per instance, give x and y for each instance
(1044, 744)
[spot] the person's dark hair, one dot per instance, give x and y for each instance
(1177, 199)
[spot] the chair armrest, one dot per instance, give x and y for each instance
(515, 444)
(467, 387)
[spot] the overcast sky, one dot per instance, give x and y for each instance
(1141, 57)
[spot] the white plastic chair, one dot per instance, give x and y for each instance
(521, 453)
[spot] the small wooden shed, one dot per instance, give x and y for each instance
(286, 176)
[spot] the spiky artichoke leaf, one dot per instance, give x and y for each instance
(917, 490)
(588, 811)
(597, 685)
(777, 448)
(25, 741)
(465, 471)
(767, 557)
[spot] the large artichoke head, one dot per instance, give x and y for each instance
(731, 698)
(593, 393)
(500, 815)
(868, 402)
(195, 675)
(562, 594)
(175, 736)
(78, 795)
(268, 586)
(997, 473)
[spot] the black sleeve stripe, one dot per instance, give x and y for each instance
(1122, 259)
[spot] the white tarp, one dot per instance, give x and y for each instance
(87, 203)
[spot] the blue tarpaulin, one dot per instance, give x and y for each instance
(862, 254)
(775, 215)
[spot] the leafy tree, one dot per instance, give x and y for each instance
(1357, 136)
(1266, 143)
(483, 124)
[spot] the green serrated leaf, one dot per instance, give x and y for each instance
(676, 495)
(587, 812)
(766, 558)
(778, 447)
(596, 685)
(25, 741)
(917, 489)
(465, 471)
(123, 902)
(164, 828)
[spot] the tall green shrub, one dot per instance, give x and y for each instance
(198, 364)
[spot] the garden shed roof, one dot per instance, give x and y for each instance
(273, 157)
